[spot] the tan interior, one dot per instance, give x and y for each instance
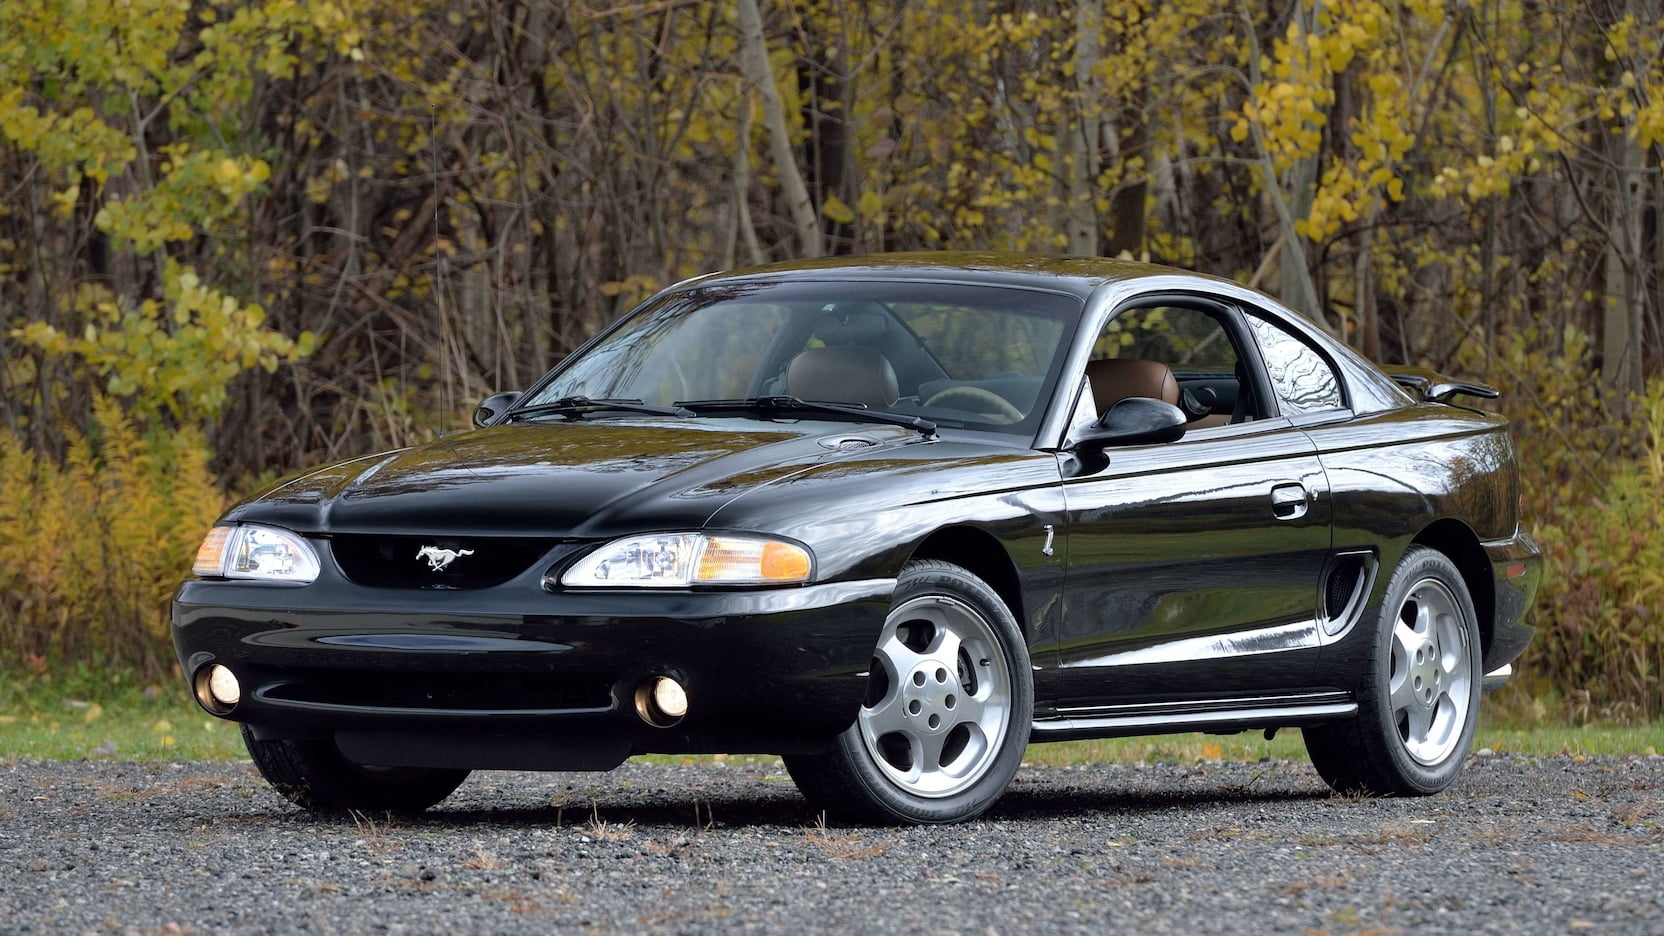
(1115, 379)
(843, 374)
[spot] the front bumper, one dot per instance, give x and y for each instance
(517, 678)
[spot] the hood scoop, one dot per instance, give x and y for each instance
(848, 443)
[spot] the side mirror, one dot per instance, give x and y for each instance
(1135, 421)
(493, 406)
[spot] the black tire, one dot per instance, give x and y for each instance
(956, 733)
(312, 774)
(1385, 750)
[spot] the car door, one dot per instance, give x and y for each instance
(1192, 566)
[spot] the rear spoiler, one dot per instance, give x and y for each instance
(1434, 387)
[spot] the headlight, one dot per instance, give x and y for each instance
(673, 560)
(256, 552)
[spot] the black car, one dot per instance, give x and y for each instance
(893, 518)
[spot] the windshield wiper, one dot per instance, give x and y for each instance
(574, 407)
(791, 404)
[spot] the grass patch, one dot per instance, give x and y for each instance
(90, 714)
(113, 715)
(1592, 740)
(1168, 749)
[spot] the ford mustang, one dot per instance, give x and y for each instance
(892, 518)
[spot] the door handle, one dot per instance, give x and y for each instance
(1289, 501)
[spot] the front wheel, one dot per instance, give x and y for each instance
(949, 702)
(1418, 699)
(314, 775)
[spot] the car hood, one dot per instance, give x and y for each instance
(581, 479)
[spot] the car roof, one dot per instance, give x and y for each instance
(1078, 276)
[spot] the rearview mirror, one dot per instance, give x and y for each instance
(493, 406)
(1135, 421)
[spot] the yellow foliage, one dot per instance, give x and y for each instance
(92, 546)
(176, 355)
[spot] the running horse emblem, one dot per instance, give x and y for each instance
(438, 558)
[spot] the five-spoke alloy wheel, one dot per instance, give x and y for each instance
(939, 704)
(1429, 673)
(947, 712)
(1418, 700)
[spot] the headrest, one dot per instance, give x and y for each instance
(843, 374)
(1118, 378)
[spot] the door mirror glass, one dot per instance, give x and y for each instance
(493, 406)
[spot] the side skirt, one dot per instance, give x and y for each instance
(1214, 715)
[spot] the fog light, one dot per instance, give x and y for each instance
(661, 701)
(223, 686)
(670, 697)
(217, 689)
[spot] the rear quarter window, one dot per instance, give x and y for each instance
(1302, 379)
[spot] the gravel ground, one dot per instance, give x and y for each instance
(1542, 845)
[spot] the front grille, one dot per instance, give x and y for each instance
(436, 561)
(470, 692)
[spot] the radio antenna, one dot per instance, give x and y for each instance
(439, 278)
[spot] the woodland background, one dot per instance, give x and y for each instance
(241, 238)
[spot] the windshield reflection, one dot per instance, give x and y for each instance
(959, 355)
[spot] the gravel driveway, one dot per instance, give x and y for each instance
(1529, 845)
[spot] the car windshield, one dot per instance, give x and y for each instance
(967, 356)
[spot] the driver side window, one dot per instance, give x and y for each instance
(1182, 355)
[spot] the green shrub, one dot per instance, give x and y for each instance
(1601, 611)
(1592, 479)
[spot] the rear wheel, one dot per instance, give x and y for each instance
(947, 713)
(1418, 699)
(312, 774)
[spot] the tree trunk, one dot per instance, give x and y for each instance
(824, 88)
(1129, 215)
(1081, 220)
(744, 232)
(1291, 199)
(754, 62)
(1626, 263)
(1625, 305)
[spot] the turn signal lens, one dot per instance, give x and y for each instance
(210, 556)
(737, 559)
(783, 562)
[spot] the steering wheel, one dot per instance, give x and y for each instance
(1001, 405)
